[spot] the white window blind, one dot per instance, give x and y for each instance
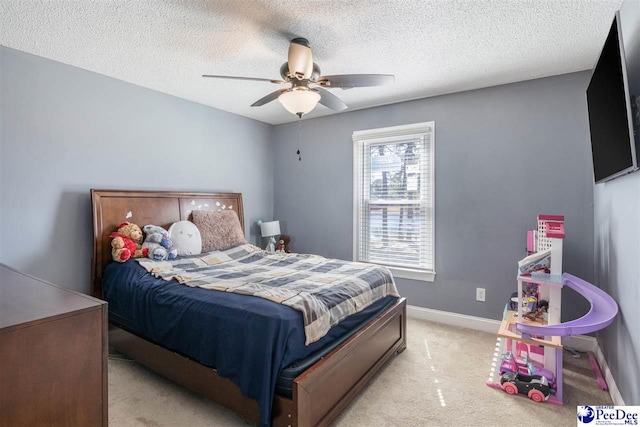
(393, 198)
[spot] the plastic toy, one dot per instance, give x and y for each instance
(531, 329)
(539, 312)
(511, 364)
(603, 310)
(536, 387)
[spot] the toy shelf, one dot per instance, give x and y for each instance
(508, 330)
(550, 287)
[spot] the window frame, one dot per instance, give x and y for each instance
(389, 135)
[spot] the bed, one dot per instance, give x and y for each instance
(318, 388)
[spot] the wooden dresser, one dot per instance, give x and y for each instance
(53, 354)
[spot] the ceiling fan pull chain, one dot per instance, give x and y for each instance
(299, 137)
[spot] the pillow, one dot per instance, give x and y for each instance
(219, 230)
(186, 238)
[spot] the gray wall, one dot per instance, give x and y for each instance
(503, 155)
(66, 130)
(617, 243)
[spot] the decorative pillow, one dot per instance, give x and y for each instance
(186, 238)
(219, 230)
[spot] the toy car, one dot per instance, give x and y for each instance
(536, 387)
(510, 364)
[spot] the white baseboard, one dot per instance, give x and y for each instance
(454, 319)
(608, 377)
(578, 342)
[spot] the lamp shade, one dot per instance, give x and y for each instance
(271, 228)
(299, 102)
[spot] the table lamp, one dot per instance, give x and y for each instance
(270, 229)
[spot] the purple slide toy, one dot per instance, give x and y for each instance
(603, 310)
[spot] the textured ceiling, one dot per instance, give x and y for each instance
(432, 47)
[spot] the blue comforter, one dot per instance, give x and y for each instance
(247, 339)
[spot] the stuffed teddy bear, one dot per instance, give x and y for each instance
(158, 243)
(126, 242)
(285, 240)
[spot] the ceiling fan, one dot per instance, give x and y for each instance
(307, 87)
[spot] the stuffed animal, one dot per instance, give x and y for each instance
(158, 243)
(126, 242)
(186, 238)
(285, 239)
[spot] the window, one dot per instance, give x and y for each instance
(393, 199)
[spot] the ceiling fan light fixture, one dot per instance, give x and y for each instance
(299, 102)
(307, 84)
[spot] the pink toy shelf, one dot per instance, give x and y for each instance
(529, 341)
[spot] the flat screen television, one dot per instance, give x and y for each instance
(609, 102)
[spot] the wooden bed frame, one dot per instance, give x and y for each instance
(319, 394)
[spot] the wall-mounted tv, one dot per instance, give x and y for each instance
(613, 144)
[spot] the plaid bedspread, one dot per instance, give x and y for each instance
(324, 290)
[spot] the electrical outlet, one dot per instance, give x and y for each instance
(480, 294)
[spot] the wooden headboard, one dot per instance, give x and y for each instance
(112, 207)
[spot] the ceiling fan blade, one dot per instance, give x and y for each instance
(329, 100)
(299, 58)
(244, 78)
(347, 81)
(272, 96)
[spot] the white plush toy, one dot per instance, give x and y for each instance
(186, 238)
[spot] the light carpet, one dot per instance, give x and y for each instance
(439, 380)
